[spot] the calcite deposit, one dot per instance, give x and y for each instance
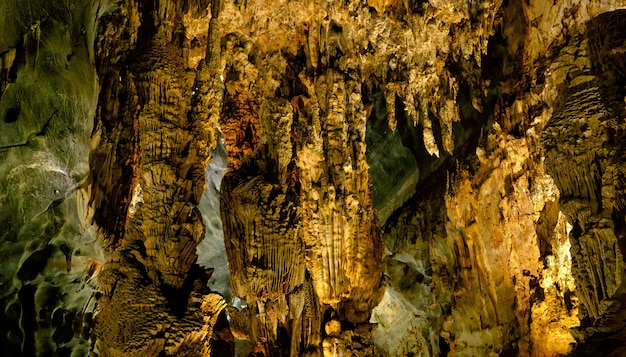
(400, 178)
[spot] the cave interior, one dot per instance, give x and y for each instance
(312, 178)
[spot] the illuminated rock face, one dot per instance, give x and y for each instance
(403, 177)
(158, 112)
(587, 165)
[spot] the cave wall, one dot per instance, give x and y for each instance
(587, 166)
(49, 252)
(524, 239)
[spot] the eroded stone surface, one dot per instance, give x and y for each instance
(159, 116)
(48, 96)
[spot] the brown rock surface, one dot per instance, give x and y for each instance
(152, 301)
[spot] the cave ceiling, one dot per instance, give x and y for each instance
(312, 178)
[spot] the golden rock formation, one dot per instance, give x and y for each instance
(152, 302)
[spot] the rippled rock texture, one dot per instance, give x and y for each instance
(49, 252)
(399, 177)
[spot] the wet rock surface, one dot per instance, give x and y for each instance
(49, 251)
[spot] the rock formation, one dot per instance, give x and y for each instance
(401, 178)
